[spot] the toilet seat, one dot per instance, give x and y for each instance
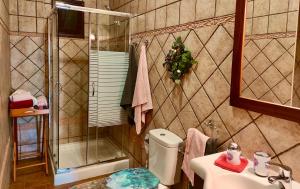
(133, 178)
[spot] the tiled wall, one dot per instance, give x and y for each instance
(206, 27)
(5, 163)
(269, 50)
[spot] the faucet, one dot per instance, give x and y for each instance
(284, 178)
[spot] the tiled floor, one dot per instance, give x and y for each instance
(37, 179)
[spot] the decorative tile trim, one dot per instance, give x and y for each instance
(271, 35)
(187, 26)
(27, 34)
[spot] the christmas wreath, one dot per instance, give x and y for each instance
(178, 61)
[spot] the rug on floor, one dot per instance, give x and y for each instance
(95, 184)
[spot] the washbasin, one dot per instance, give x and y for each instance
(215, 177)
(234, 181)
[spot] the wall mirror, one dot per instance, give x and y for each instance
(266, 58)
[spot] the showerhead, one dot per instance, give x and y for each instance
(107, 7)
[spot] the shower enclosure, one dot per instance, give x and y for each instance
(86, 79)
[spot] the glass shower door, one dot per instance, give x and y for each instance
(54, 87)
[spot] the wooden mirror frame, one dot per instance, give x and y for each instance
(281, 111)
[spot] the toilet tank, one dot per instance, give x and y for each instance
(163, 151)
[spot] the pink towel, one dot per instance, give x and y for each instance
(42, 102)
(21, 95)
(142, 101)
(195, 147)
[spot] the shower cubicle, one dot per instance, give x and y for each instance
(86, 80)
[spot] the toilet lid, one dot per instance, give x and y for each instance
(135, 178)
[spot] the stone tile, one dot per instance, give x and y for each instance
(154, 49)
(168, 111)
(251, 50)
(17, 79)
(270, 97)
(188, 118)
(219, 45)
(16, 57)
(217, 88)
(249, 74)
(233, 118)
(160, 3)
(260, 25)
(262, 43)
(260, 63)
(71, 49)
(187, 11)
(190, 84)
(26, 46)
(261, 8)
(290, 159)
(225, 7)
(141, 23)
(205, 67)
(259, 87)
(178, 98)
(204, 33)
(283, 91)
(177, 128)
(251, 135)
(159, 120)
(277, 23)
(279, 6)
(27, 24)
(168, 44)
(271, 76)
(173, 14)
(168, 82)
(71, 88)
(273, 50)
(281, 134)
(193, 43)
(150, 5)
(160, 17)
(26, 8)
(226, 68)
(153, 77)
(159, 64)
(201, 105)
(160, 93)
(292, 21)
(205, 9)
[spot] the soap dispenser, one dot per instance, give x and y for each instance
(234, 154)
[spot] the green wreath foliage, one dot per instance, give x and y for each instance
(178, 61)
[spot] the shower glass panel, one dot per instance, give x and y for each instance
(108, 68)
(85, 126)
(53, 68)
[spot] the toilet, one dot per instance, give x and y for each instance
(163, 152)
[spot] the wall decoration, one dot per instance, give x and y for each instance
(178, 61)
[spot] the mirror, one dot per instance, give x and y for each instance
(266, 58)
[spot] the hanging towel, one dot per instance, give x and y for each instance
(142, 101)
(195, 147)
(127, 96)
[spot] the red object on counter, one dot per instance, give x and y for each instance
(21, 104)
(222, 162)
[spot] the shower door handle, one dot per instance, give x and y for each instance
(93, 87)
(59, 88)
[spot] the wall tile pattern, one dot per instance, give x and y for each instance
(204, 93)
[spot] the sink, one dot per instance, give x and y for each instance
(215, 177)
(234, 181)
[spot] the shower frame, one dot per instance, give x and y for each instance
(57, 88)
